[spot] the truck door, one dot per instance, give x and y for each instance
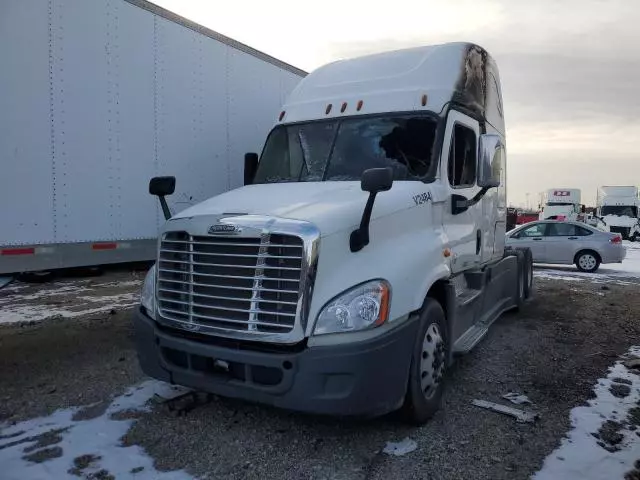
(459, 162)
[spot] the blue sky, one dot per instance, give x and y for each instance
(570, 70)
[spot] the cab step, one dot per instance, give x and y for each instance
(470, 339)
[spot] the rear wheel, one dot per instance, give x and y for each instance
(527, 272)
(428, 365)
(522, 275)
(587, 261)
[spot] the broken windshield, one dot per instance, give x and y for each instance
(340, 150)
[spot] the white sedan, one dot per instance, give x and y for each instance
(568, 242)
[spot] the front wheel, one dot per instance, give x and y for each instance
(587, 261)
(428, 365)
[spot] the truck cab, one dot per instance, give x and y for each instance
(619, 207)
(562, 204)
(365, 250)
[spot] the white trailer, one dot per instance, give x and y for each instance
(367, 247)
(97, 97)
(618, 206)
(562, 204)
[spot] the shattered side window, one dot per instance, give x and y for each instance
(461, 167)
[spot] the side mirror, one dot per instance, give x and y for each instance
(250, 167)
(490, 153)
(373, 181)
(160, 187)
(377, 180)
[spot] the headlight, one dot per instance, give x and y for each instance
(148, 296)
(359, 308)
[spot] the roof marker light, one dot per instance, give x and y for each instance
(424, 100)
(344, 107)
(281, 115)
(360, 103)
(328, 109)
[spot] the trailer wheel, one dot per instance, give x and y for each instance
(37, 277)
(428, 365)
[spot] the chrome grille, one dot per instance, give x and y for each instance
(234, 283)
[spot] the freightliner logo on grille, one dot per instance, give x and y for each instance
(224, 229)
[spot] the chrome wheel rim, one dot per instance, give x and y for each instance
(587, 261)
(432, 361)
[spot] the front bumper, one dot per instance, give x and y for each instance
(365, 378)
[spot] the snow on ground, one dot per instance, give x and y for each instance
(625, 273)
(21, 302)
(605, 438)
(51, 447)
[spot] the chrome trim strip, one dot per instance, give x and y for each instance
(267, 267)
(230, 287)
(219, 297)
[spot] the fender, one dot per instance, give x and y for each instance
(447, 298)
(440, 272)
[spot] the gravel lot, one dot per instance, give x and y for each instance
(554, 351)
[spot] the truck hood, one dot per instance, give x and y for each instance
(331, 206)
(620, 220)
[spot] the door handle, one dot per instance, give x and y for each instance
(478, 241)
(573, 238)
(537, 239)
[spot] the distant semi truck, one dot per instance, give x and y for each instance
(618, 206)
(99, 96)
(561, 204)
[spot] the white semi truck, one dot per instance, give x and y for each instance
(562, 204)
(618, 206)
(98, 96)
(365, 250)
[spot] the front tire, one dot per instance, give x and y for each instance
(587, 261)
(428, 365)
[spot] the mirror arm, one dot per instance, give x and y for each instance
(360, 237)
(165, 207)
(460, 203)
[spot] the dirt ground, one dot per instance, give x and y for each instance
(553, 351)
